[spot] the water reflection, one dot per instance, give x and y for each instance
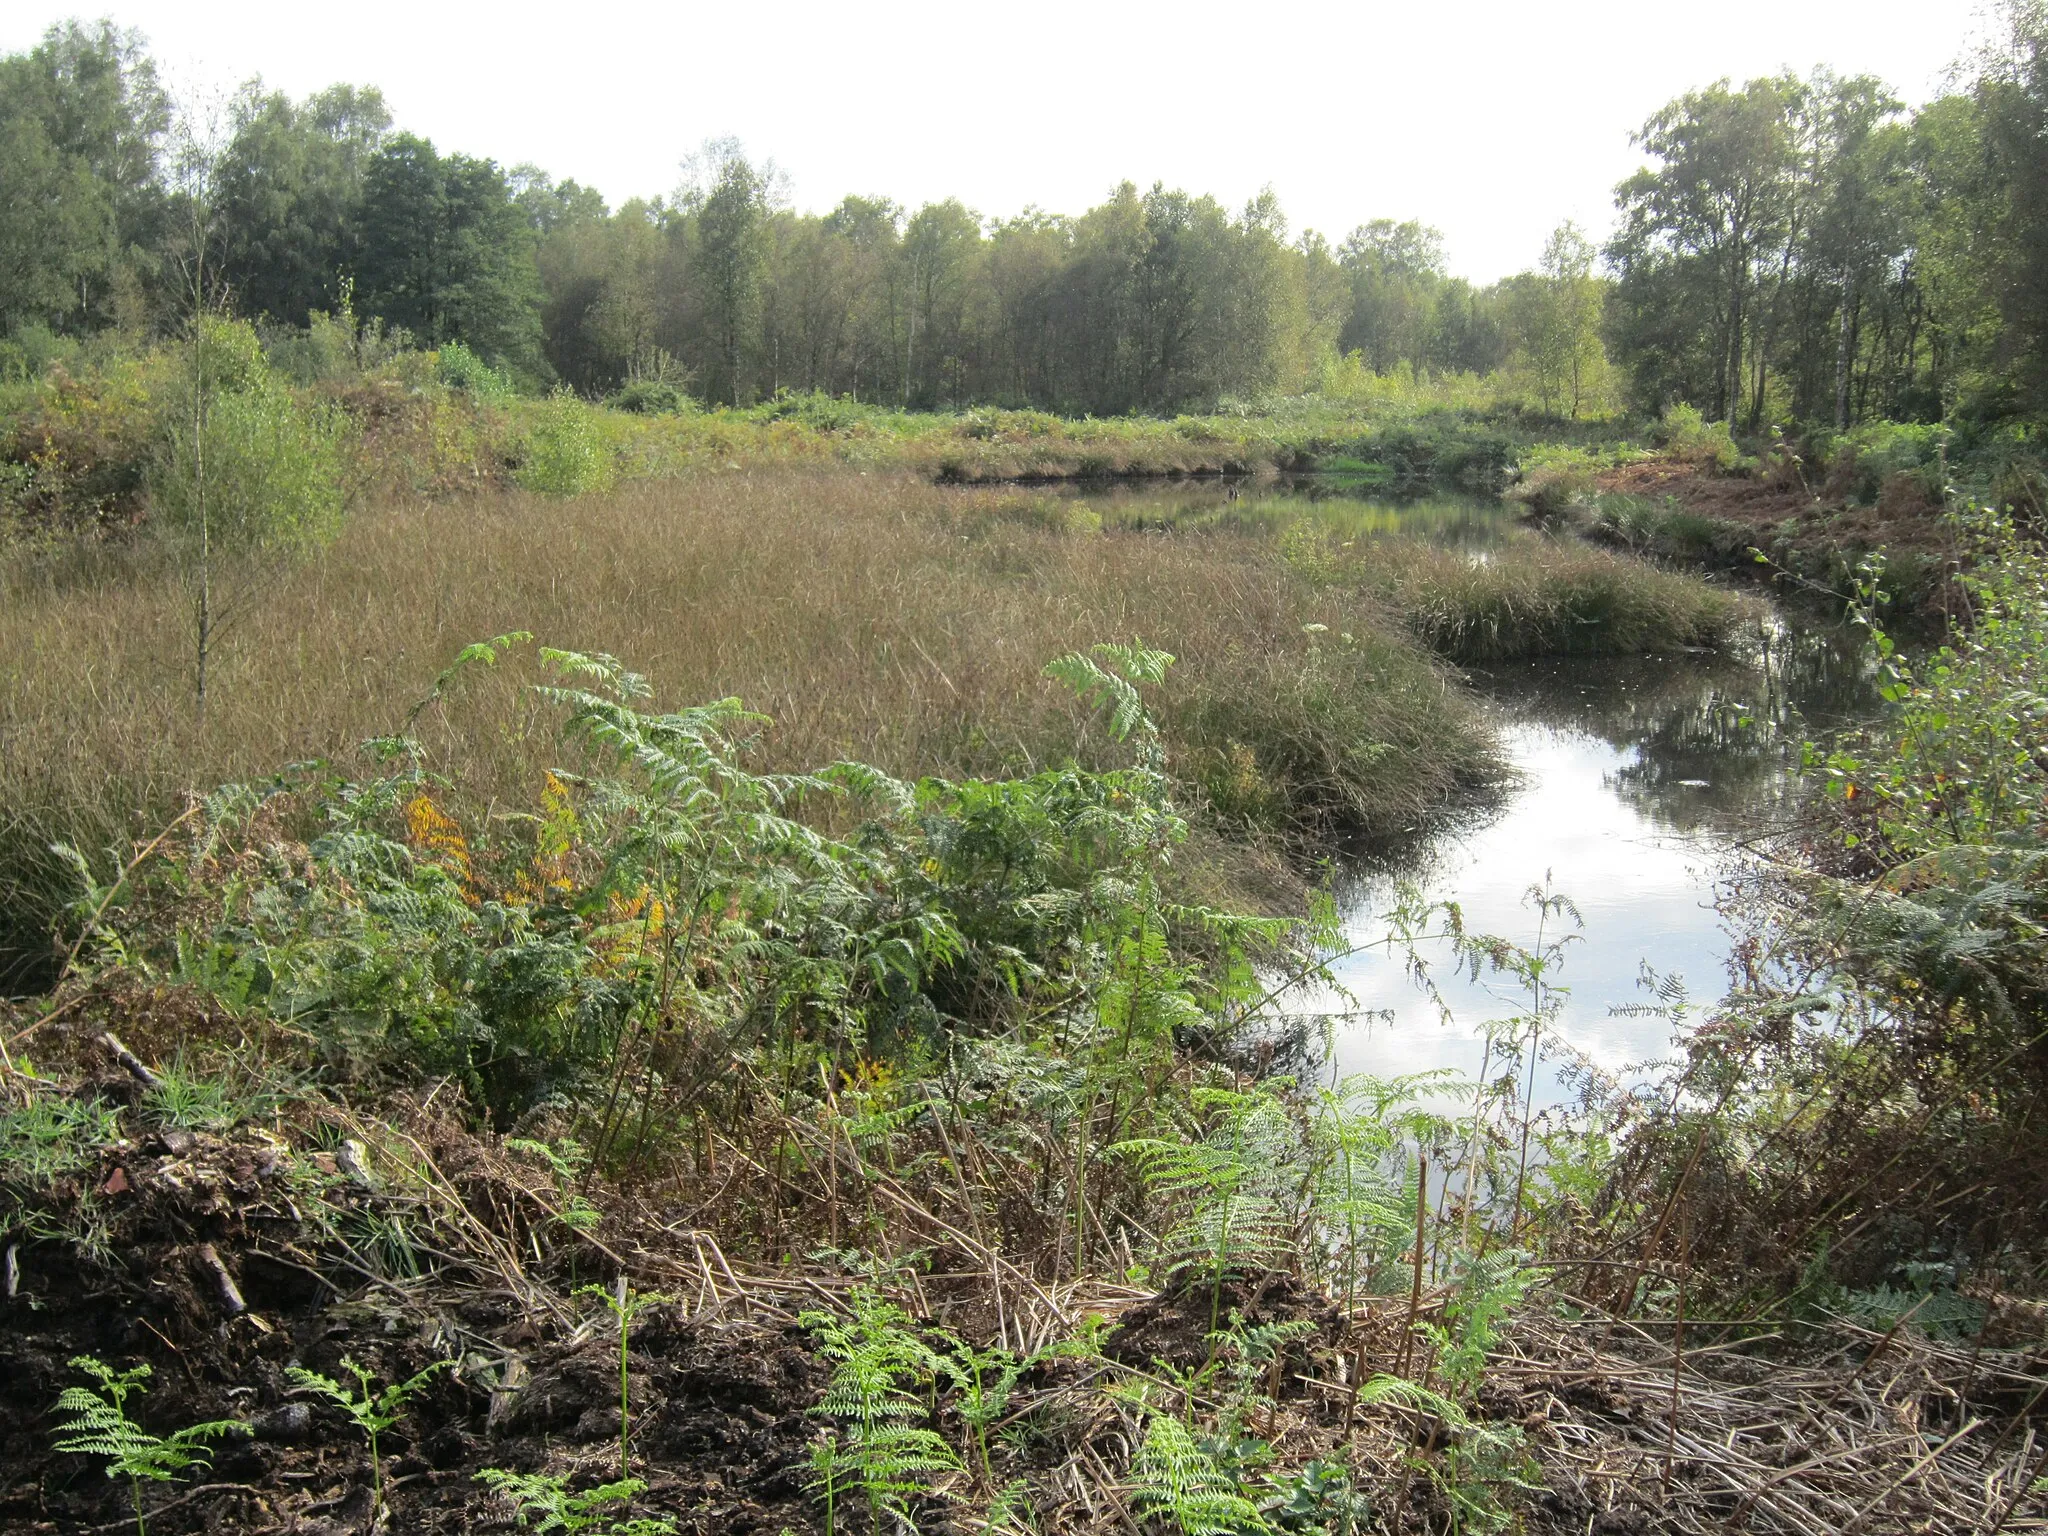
(1639, 779)
(1707, 740)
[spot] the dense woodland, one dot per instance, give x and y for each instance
(1792, 249)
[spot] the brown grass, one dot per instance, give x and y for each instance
(871, 616)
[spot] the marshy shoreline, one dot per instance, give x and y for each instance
(293, 1046)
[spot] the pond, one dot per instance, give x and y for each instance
(1639, 783)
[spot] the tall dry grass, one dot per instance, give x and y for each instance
(871, 616)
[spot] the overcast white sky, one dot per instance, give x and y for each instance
(1491, 119)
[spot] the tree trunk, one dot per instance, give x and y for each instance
(1842, 355)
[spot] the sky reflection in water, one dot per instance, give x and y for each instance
(1638, 779)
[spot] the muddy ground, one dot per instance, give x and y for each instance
(225, 1260)
(721, 1422)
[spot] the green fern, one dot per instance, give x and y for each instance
(372, 1413)
(537, 1496)
(1235, 1188)
(1173, 1478)
(879, 1366)
(1011, 1512)
(97, 1423)
(1252, 1358)
(1489, 1286)
(1115, 685)
(1361, 1211)
(985, 1379)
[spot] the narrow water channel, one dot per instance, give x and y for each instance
(1639, 782)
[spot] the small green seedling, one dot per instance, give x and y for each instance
(547, 1499)
(625, 1304)
(373, 1413)
(98, 1425)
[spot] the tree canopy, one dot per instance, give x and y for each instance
(1792, 249)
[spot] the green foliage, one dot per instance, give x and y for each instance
(96, 1422)
(1115, 685)
(49, 1136)
(625, 1304)
(564, 453)
(543, 1503)
(984, 1381)
(566, 1161)
(460, 368)
(244, 464)
(445, 252)
(214, 1098)
(1863, 463)
(1489, 1287)
(1689, 436)
(83, 115)
(879, 1369)
(370, 1412)
(1322, 1497)
(650, 397)
(1961, 769)
(1231, 1189)
(1175, 1480)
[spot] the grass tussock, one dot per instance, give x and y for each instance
(870, 616)
(1554, 599)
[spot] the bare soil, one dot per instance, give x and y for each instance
(1813, 535)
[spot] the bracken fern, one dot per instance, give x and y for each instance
(97, 1423)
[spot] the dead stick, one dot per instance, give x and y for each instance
(230, 1294)
(2026, 1485)
(1856, 1521)
(1678, 1342)
(1357, 1380)
(1885, 1343)
(131, 1061)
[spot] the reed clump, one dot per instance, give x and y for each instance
(1551, 598)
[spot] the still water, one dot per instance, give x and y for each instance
(1639, 784)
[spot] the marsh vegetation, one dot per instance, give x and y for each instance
(646, 885)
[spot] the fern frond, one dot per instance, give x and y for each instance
(1173, 1478)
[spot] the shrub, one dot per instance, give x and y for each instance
(337, 348)
(1691, 437)
(262, 470)
(565, 455)
(651, 397)
(27, 352)
(1552, 482)
(460, 368)
(1888, 459)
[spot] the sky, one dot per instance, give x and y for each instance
(1491, 121)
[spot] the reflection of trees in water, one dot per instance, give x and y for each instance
(1716, 738)
(1696, 764)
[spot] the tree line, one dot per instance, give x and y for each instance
(1810, 250)
(1792, 249)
